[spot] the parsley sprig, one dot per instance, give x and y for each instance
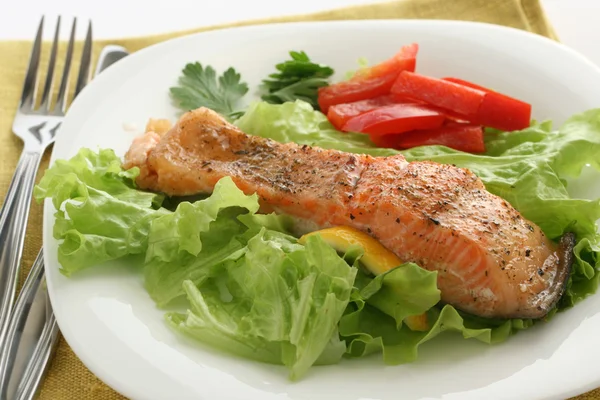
(199, 87)
(298, 78)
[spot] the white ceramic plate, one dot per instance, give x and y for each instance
(113, 326)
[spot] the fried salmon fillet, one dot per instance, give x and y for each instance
(490, 261)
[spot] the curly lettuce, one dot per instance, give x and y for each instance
(253, 290)
(101, 215)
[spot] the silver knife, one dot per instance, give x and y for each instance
(34, 296)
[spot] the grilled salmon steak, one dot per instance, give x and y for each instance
(490, 261)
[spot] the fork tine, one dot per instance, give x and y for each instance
(61, 99)
(45, 103)
(29, 86)
(86, 61)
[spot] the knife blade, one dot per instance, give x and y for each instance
(110, 54)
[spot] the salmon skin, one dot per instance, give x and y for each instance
(491, 262)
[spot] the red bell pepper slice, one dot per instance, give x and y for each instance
(498, 110)
(396, 119)
(448, 95)
(369, 82)
(472, 85)
(339, 114)
(404, 60)
(462, 137)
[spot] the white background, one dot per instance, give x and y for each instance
(576, 21)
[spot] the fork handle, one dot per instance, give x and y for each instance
(13, 222)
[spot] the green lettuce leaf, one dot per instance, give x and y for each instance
(401, 292)
(527, 168)
(101, 215)
(368, 330)
(378, 306)
(279, 303)
(197, 238)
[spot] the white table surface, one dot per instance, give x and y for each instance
(574, 20)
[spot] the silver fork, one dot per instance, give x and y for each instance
(37, 128)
